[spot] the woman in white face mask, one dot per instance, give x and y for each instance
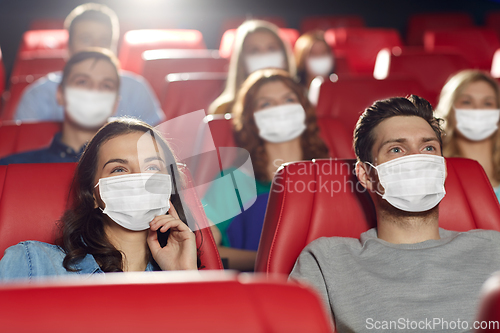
(314, 57)
(276, 124)
(125, 184)
(257, 45)
(469, 103)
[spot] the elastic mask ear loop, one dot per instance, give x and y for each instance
(94, 198)
(371, 181)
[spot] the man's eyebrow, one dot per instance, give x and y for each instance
(79, 74)
(400, 140)
(115, 160)
(154, 158)
(430, 139)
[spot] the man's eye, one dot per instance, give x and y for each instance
(395, 150)
(430, 148)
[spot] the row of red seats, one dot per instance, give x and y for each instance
(358, 52)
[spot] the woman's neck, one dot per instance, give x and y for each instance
(283, 152)
(132, 244)
(481, 151)
(74, 136)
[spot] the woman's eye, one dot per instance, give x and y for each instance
(291, 100)
(264, 105)
(119, 169)
(153, 168)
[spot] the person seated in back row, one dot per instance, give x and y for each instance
(406, 267)
(276, 124)
(90, 25)
(88, 94)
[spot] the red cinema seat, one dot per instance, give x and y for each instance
(326, 22)
(492, 21)
(36, 40)
(17, 137)
(187, 92)
(476, 44)
(160, 63)
(295, 217)
(3, 171)
(135, 42)
(336, 137)
(196, 303)
(419, 23)
(347, 98)
(290, 36)
(431, 69)
(47, 23)
(360, 46)
(46, 187)
(488, 319)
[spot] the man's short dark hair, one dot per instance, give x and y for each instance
(95, 53)
(93, 12)
(387, 108)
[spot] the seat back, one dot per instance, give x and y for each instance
(36, 196)
(135, 42)
(323, 198)
(419, 23)
(17, 137)
(488, 318)
(348, 97)
(360, 46)
(3, 171)
(235, 22)
(476, 44)
(336, 137)
(2, 77)
(421, 65)
(325, 22)
(187, 301)
(181, 87)
(288, 35)
(160, 63)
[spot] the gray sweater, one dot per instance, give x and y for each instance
(371, 285)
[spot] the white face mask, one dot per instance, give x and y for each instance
(320, 66)
(89, 108)
(281, 123)
(413, 183)
(477, 125)
(133, 200)
(265, 60)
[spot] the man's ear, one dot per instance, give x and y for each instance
(362, 172)
(60, 95)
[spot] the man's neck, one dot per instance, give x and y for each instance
(74, 136)
(399, 227)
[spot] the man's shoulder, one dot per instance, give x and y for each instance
(130, 79)
(48, 82)
(333, 243)
(33, 156)
(482, 234)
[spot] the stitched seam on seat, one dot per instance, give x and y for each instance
(276, 232)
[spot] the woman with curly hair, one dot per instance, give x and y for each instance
(276, 124)
(126, 213)
(470, 105)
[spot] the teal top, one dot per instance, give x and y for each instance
(497, 192)
(229, 195)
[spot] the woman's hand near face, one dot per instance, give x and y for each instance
(180, 251)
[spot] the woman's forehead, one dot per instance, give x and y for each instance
(135, 145)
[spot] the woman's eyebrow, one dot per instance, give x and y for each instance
(154, 158)
(116, 160)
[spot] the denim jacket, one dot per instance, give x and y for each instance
(33, 259)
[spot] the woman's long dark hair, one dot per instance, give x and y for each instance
(83, 225)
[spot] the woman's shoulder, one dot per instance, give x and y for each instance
(31, 258)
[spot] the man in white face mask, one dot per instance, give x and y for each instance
(88, 94)
(407, 267)
(90, 25)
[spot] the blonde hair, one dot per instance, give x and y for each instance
(449, 94)
(237, 70)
